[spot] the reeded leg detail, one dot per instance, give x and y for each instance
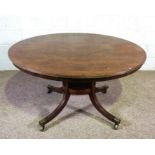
(58, 109)
(99, 107)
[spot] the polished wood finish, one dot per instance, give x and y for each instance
(77, 56)
(58, 109)
(78, 60)
(99, 107)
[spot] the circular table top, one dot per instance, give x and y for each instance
(77, 56)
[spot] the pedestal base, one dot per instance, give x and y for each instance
(78, 88)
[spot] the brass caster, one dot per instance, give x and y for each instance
(42, 126)
(116, 126)
(117, 122)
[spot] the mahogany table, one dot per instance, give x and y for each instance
(79, 60)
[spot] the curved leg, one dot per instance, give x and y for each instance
(98, 106)
(58, 109)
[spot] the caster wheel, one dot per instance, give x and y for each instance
(42, 127)
(117, 121)
(116, 126)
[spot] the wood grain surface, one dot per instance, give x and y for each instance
(77, 56)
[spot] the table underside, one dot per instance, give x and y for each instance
(78, 88)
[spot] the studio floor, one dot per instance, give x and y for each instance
(24, 101)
